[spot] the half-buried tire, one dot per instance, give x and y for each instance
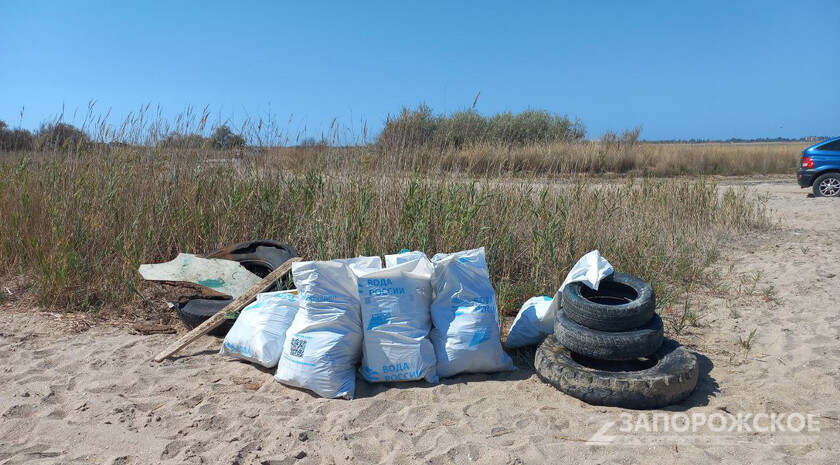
(605, 345)
(621, 302)
(666, 377)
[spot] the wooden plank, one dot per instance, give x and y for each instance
(216, 320)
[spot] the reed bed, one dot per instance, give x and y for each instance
(79, 225)
(83, 206)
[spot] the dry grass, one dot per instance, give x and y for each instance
(80, 225)
(78, 218)
(546, 144)
(542, 160)
(602, 157)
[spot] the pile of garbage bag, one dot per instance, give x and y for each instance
(423, 319)
(414, 319)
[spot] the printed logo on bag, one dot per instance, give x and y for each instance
(476, 305)
(320, 298)
(480, 336)
(400, 372)
(237, 348)
(379, 319)
(381, 287)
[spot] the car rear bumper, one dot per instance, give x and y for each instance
(805, 177)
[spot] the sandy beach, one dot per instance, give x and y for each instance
(95, 396)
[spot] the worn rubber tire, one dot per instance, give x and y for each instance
(631, 303)
(828, 177)
(260, 257)
(670, 381)
(197, 311)
(605, 345)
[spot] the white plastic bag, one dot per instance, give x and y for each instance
(273, 294)
(404, 256)
(396, 320)
(465, 334)
(260, 330)
(533, 324)
(324, 343)
(361, 262)
(589, 270)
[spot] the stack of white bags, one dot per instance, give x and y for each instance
(415, 319)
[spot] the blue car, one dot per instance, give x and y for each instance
(820, 168)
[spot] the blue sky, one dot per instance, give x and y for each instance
(711, 69)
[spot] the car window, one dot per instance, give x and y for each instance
(833, 146)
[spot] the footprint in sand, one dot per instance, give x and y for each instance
(19, 411)
(56, 415)
(171, 450)
(124, 460)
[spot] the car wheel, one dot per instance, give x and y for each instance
(827, 185)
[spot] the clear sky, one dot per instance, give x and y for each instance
(710, 69)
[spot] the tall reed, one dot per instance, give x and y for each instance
(80, 225)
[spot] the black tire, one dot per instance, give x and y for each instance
(622, 302)
(197, 311)
(827, 185)
(667, 377)
(259, 257)
(604, 345)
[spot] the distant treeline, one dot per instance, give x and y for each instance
(412, 128)
(735, 140)
(64, 136)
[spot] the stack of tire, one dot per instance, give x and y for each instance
(608, 348)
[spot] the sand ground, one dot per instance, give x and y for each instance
(95, 397)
